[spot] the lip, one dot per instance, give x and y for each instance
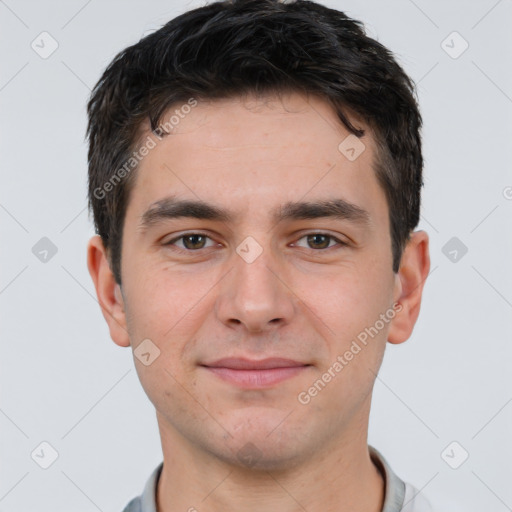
(255, 374)
(240, 363)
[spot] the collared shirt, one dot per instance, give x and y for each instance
(399, 496)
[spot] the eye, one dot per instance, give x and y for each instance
(321, 241)
(191, 241)
(195, 241)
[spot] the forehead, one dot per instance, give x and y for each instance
(251, 152)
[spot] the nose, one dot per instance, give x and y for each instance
(255, 296)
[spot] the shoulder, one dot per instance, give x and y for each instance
(146, 502)
(135, 505)
(399, 495)
(414, 501)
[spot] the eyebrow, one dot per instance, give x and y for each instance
(173, 208)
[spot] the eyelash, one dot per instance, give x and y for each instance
(340, 243)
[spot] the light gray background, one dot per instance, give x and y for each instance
(65, 382)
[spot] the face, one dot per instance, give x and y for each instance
(257, 275)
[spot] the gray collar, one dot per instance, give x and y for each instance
(393, 499)
(394, 486)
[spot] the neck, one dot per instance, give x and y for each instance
(341, 479)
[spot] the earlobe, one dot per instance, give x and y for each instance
(108, 291)
(411, 276)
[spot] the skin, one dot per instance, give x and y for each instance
(297, 300)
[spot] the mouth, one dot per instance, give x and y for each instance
(253, 374)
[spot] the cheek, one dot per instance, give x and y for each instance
(350, 305)
(167, 307)
(350, 300)
(165, 389)
(152, 296)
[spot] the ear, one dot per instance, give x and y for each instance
(410, 279)
(108, 291)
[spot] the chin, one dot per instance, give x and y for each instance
(263, 442)
(252, 457)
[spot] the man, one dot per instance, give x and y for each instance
(254, 172)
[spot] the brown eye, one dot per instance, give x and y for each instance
(194, 241)
(189, 242)
(318, 241)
